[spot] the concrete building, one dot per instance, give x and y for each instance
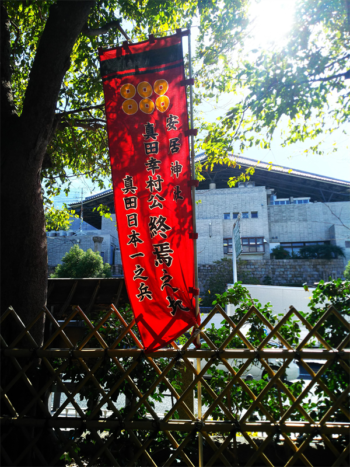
(265, 223)
(87, 236)
(278, 206)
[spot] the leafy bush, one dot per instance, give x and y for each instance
(334, 377)
(237, 399)
(280, 253)
(247, 278)
(218, 281)
(347, 271)
(267, 280)
(58, 219)
(78, 263)
(109, 372)
(309, 252)
(320, 252)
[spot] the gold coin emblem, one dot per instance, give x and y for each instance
(161, 86)
(162, 103)
(128, 91)
(144, 89)
(130, 106)
(147, 106)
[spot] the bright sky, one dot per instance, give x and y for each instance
(272, 21)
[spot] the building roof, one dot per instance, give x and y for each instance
(285, 181)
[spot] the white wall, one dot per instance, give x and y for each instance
(281, 298)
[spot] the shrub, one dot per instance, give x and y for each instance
(320, 252)
(280, 253)
(78, 263)
(309, 252)
(347, 271)
(217, 282)
(267, 280)
(58, 219)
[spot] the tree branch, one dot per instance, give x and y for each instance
(88, 124)
(98, 32)
(8, 108)
(82, 109)
(346, 75)
(336, 216)
(52, 60)
(338, 60)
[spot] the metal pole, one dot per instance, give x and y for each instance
(193, 190)
(234, 258)
(81, 211)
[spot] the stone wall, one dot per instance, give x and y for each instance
(280, 271)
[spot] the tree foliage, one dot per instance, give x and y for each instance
(58, 219)
(332, 330)
(347, 271)
(275, 401)
(302, 82)
(78, 263)
(79, 143)
(218, 280)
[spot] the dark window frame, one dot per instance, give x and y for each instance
(227, 244)
(294, 247)
(253, 245)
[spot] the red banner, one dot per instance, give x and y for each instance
(146, 109)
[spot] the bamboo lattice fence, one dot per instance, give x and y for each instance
(140, 435)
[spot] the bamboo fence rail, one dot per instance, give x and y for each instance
(32, 418)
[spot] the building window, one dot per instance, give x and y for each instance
(235, 215)
(253, 244)
(254, 214)
(294, 247)
(283, 201)
(245, 215)
(227, 246)
(226, 215)
(347, 244)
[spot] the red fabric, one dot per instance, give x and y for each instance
(151, 171)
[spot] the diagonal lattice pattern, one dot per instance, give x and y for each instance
(68, 392)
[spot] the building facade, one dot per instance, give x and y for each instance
(277, 206)
(266, 223)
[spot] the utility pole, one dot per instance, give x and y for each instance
(236, 244)
(81, 211)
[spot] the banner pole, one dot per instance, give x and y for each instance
(193, 189)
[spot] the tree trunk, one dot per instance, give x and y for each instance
(24, 141)
(23, 238)
(24, 270)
